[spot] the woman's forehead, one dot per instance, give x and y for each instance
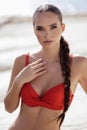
(46, 17)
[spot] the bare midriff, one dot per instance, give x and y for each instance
(36, 118)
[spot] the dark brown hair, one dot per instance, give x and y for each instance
(64, 57)
(48, 8)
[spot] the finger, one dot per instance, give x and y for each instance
(39, 65)
(41, 69)
(37, 62)
(40, 73)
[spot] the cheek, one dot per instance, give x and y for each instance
(57, 35)
(58, 32)
(39, 35)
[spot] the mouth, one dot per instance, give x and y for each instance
(48, 41)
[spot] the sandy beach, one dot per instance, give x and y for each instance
(17, 38)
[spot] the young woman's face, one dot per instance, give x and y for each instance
(48, 28)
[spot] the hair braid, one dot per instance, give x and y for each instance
(65, 65)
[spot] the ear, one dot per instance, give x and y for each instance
(63, 27)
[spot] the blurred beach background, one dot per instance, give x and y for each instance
(17, 37)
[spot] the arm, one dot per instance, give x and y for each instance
(20, 75)
(11, 99)
(83, 77)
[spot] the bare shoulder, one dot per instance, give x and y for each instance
(20, 61)
(79, 70)
(80, 65)
(79, 60)
(19, 64)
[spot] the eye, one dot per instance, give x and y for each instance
(39, 28)
(53, 27)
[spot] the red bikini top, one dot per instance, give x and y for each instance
(53, 98)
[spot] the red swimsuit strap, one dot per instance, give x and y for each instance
(27, 59)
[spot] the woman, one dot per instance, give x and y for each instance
(46, 81)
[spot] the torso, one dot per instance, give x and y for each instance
(36, 118)
(40, 118)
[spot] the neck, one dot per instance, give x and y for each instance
(50, 55)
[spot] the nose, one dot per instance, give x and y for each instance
(47, 33)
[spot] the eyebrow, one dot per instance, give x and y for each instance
(53, 24)
(49, 25)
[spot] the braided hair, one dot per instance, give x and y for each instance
(64, 57)
(65, 66)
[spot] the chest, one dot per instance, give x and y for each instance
(51, 78)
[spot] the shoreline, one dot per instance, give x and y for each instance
(24, 19)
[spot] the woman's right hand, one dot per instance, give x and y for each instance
(32, 71)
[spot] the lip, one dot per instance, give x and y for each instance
(48, 41)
